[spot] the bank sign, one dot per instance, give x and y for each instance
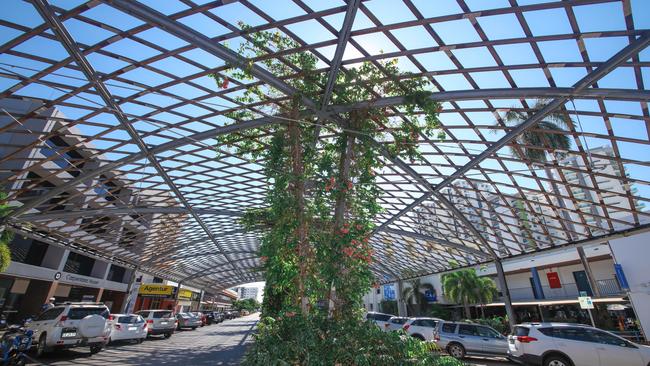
(156, 290)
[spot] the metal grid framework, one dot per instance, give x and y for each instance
(107, 150)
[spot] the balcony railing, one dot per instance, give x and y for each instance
(607, 287)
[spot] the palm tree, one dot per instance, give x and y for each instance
(415, 294)
(536, 144)
(486, 292)
(460, 287)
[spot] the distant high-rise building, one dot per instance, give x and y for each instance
(246, 292)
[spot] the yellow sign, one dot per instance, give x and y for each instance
(156, 289)
(185, 294)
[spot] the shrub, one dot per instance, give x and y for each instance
(500, 324)
(297, 340)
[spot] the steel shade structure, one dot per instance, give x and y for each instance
(127, 166)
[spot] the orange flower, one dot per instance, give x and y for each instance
(345, 230)
(224, 84)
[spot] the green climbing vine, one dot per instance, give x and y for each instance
(322, 194)
(5, 235)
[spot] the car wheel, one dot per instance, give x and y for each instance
(167, 335)
(557, 360)
(140, 340)
(456, 350)
(193, 328)
(41, 347)
(95, 348)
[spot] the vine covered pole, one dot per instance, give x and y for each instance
(347, 146)
(298, 188)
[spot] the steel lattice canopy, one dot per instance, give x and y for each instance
(109, 121)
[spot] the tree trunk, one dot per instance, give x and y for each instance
(298, 188)
(482, 311)
(468, 314)
(341, 208)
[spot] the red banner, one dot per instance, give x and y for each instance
(553, 279)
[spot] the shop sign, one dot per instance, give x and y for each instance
(156, 290)
(81, 280)
(57, 276)
(430, 295)
(553, 280)
(389, 292)
(185, 294)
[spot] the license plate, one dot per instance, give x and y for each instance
(163, 323)
(133, 328)
(68, 334)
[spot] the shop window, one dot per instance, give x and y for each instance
(28, 251)
(116, 273)
(79, 264)
(157, 280)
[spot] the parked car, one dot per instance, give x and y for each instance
(71, 325)
(187, 320)
(559, 344)
(461, 339)
(210, 317)
(421, 328)
(127, 327)
(380, 319)
(159, 322)
(395, 323)
(201, 316)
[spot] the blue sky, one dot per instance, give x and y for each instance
(504, 29)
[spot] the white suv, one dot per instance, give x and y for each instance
(71, 325)
(421, 328)
(560, 344)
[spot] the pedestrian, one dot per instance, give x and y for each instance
(48, 305)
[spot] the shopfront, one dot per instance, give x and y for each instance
(156, 296)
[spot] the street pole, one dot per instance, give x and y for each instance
(593, 324)
(590, 277)
(512, 320)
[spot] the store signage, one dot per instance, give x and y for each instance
(389, 292)
(620, 275)
(185, 294)
(586, 302)
(553, 280)
(57, 276)
(430, 296)
(81, 280)
(155, 290)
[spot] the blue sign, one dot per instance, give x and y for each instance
(389, 292)
(430, 295)
(620, 275)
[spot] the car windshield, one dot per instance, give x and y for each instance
(162, 314)
(130, 319)
(80, 313)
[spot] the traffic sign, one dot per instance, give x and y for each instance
(586, 302)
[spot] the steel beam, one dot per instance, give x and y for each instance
(344, 36)
(501, 93)
(113, 211)
(70, 45)
(265, 121)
